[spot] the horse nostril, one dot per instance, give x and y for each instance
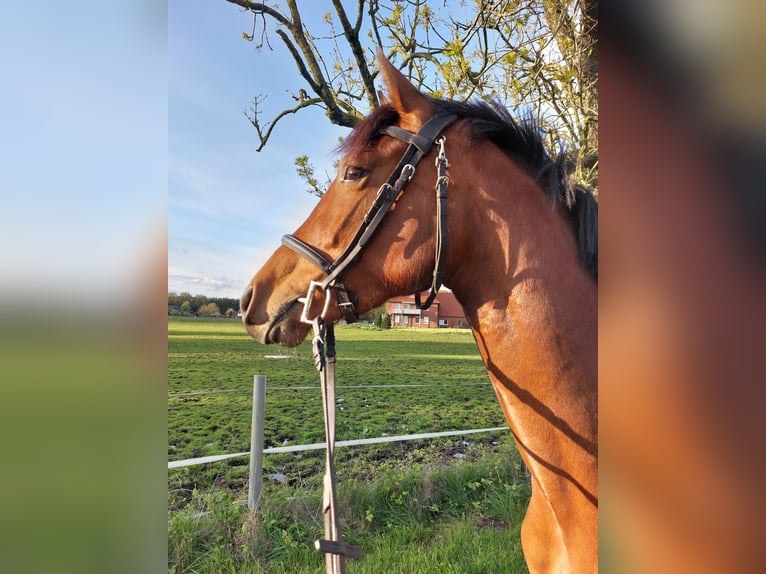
(244, 301)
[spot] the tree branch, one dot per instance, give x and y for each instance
(352, 35)
(264, 136)
(320, 84)
(359, 17)
(261, 7)
(540, 54)
(305, 74)
(374, 8)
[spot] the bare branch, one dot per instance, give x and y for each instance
(305, 74)
(265, 133)
(541, 55)
(359, 17)
(261, 7)
(374, 8)
(352, 35)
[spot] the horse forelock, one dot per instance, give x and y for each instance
(366, 132)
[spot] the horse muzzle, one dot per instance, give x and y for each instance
(282, 326)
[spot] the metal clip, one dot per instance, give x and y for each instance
(442, 157)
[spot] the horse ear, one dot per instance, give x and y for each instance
(382, 99)
(413, 107)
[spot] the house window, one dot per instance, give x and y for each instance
(417, 320)
(397, 306)
(396, 318)
(425, 321)
(443, 322)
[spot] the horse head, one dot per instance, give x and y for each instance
(398, 256)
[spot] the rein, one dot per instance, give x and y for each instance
(333, 547)
(420, 144)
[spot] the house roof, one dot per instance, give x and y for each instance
(448, 303)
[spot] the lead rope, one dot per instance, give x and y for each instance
(332, 545)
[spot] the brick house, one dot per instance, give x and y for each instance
(444, 312)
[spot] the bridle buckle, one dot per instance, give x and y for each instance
(309, 299)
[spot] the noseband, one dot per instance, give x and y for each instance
(419, 146)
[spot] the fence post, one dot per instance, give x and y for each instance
(256, 441)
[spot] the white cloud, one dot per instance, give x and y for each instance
(187, 280)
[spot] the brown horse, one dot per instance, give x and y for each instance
(517, 246)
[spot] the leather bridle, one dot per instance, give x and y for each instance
(420, 145)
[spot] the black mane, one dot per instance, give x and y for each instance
(521, 141)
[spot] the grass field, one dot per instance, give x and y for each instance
(406, 500)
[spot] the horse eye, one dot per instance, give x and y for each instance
(354, 173)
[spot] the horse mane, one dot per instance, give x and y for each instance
(521, 141)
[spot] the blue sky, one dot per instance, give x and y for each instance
(228, 205)
(83, 166)
(124, 134)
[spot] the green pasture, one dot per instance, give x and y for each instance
(433, 494)
(217, 354)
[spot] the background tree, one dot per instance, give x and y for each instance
(202, 304)
(306, 172)
(225, 302)
(209, 309)
(173, 299)
(537, 57)
(178, 299)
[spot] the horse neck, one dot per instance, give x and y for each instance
(532, 307)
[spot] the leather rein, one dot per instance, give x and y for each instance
(420, 144)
